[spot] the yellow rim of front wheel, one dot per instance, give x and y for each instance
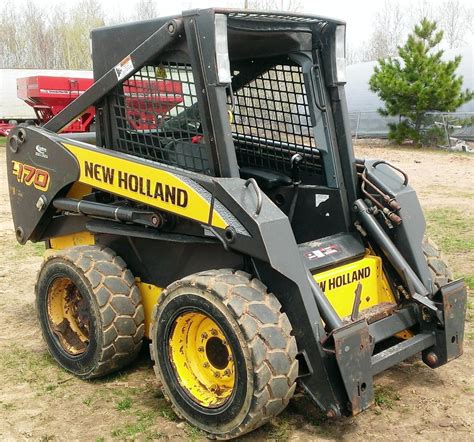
(202, 359)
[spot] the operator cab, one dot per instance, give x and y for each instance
(259, 102)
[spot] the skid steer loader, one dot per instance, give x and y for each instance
(235, 230)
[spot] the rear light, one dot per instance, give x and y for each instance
(222, 51)
(340, 54)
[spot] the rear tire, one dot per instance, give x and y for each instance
(255, 364)
(90, 310)
(440, 271)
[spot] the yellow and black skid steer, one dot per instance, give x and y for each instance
(219, 212)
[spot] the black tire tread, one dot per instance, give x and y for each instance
(119, 301)
(440, 271)
(268, 333)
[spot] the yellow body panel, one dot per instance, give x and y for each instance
(74, 239)
(340, 283)
(143, 183)
(150, 294)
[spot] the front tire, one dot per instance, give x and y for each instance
(90, 310)
(224, 352)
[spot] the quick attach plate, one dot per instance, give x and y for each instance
(353, 347)
(452, 299)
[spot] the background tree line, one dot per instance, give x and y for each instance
(43, 35)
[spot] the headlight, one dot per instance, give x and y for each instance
(222, 50)
(341, 53)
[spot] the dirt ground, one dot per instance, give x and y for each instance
(40, 401)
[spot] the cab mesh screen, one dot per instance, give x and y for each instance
(272, 121)
(156, 117)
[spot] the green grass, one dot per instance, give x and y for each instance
(124, 404)
(24, 365)
(452, 229)
(281, 430)
(29, 249)
(141, 429)
(469, 280)
(192, 433)
(385, 396)
(3, 141)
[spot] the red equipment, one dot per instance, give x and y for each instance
(146, 102)
(50, 95)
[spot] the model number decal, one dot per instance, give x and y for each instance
(31, 175)
(137, 184)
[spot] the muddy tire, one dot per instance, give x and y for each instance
(252, 356)
(90, 310)
(440, 271)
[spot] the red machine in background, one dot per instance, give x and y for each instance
(146, 101)
(50, 95)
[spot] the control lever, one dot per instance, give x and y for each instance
(296, 160)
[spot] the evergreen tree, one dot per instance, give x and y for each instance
(417, 82)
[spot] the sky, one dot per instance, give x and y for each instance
(358, 14)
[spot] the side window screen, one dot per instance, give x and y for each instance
(157, 117)
(272, 121)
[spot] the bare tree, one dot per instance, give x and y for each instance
(455, 20)
(422, 9)
(146, 9)
(12, 40)
(273, 5)
(388, 31)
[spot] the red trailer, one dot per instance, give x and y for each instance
(146, 102)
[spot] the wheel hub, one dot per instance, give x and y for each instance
(202, 359)
(69, 316)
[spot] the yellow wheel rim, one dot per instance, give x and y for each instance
(69, 316)
(202, 359)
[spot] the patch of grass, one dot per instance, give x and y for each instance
(24, 365)
(29, 249)
(385, 396)
(50, 387)
(100, 439)
(8, 405)
(193, 433)
(3, 141)
(469, 280)
(470, 335)
(141, 429)
(88, 401)
(124, 404)
(452, 229)
(281, 430)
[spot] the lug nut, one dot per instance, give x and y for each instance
(204, 336)
(206, 365)
(201, 349)
(217, 374)
(226, 372)
(213, 332)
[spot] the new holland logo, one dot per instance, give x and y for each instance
(344, 279)
(137, 184)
